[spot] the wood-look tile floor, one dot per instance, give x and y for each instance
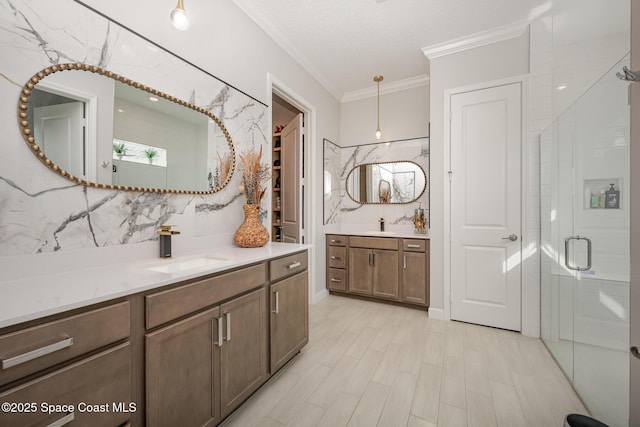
(370, 364)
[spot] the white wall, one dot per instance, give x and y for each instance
(492, 62)
(403, 115)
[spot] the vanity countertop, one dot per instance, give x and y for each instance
(35, 296)
(373, 231)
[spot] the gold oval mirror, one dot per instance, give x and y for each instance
(386, 183)
(103, 130)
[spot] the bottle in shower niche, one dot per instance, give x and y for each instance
(601, 199)
(612, 198)
(587, 198)
(594, 201)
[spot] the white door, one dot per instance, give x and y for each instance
(290, 173)
(59, 130)
(486, 133)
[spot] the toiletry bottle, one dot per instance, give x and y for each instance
(594, 201)
(612, 198)
(587, 197)
(601, 199)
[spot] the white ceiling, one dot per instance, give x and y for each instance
(344, 43)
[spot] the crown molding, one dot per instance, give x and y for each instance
(472, 41)
(385, 88)
(255, 14)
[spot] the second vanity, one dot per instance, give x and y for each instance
(181, 342)
(383, 266)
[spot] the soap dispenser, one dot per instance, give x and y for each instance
(165, 233)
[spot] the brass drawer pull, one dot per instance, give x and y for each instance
(293, 265)
(64, 420)
(413, 246)
(39, 352)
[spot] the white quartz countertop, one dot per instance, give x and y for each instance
(38, 295)
(374, 231)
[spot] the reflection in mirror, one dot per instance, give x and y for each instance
(386, 183)
(106, 131)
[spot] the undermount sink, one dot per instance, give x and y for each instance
(176, 266)
(378, 232)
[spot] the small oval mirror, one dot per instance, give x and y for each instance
(103, 130)
(386, 182)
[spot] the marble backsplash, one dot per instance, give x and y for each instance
(42, 212)
(339, 208)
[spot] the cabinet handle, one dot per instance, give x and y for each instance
(374, 258)
(38, 352)
(294, 265)
(370, 261)
(413, 246)
(220, 339)
(336, 241)
(64, 420)
(336, 280)
(228, 316)
(404, 262)
(277, 295)
(335, 257)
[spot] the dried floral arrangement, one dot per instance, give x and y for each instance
(226, 162)
(254, 176)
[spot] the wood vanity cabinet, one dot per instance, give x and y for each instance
(79, 360)
(198, 370)
(373, 267)
(383, 268)
(289, 307)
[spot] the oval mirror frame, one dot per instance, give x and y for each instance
(424, 188)
(37, 151)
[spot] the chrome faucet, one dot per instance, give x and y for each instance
(381, 221)
(165, 233)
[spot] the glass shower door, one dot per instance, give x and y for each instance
(585, 233)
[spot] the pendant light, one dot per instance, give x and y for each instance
(378, 79)
(179, 17)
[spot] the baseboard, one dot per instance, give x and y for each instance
(319, 296)
(436, 313)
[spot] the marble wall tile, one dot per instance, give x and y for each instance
(339, 161)
(43, 212)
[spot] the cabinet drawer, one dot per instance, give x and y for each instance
(100, 380)
(414, 245)
(337, 279)
(168, 305)
(286, 266)
(39, 347)
(373, 243)
(336, 240)
(337, 256)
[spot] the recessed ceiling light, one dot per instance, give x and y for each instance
(562, 87)
(153, 99)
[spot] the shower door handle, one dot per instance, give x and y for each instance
(628, 75)
(566, 253)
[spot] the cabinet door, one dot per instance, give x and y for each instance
(385, 274)
(289, 319)
(183, 372)
(243, 355)
(414, 279)
(360, 271)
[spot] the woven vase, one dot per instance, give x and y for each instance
(251, 233)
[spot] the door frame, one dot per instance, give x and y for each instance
(530, 320)
(310, 206)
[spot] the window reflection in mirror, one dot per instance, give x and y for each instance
(79, 119)
(388, 182)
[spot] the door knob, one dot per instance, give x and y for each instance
(511, 237)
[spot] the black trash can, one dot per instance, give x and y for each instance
(577, 420)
